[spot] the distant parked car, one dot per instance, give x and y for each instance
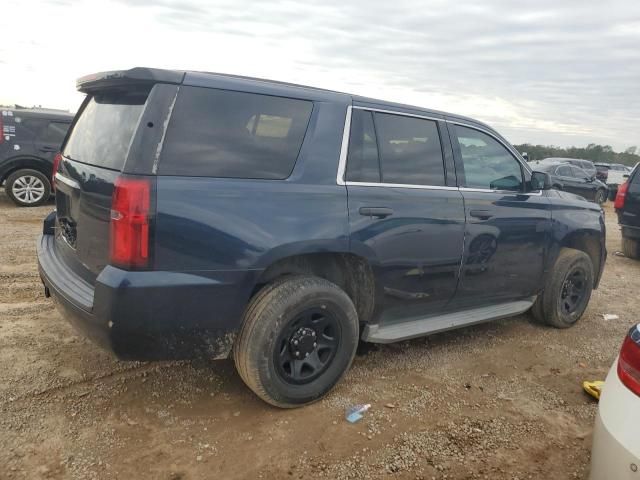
(568, 177)
(616, 446)
(29, 142)
(586, 165)
(602, 172)
(615, 176)
(627, 207)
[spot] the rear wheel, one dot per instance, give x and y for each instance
(601, 197)
(631, 247)
(567, 291)
(298, 338)
(28, 188)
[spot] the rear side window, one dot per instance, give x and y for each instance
(103, 131)
(362, 160)
(410, 150)
(55, 132)
(221, 133)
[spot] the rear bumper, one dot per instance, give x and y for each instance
(150, 315)
(616, 450)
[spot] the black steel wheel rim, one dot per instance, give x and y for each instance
(574, 289)
(307, 345)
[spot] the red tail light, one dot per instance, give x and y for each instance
(56, 164)
(629, 361)
(130, 210)
(621, 196)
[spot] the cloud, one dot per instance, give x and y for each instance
(546, 71)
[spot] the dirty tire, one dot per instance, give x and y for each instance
(271, 313)
(548, 307)
(631, 247)
(43, 192)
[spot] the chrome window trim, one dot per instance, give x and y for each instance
(400, 185)
(394, 112)
(501, 192)
(344, 150)
(67, 181)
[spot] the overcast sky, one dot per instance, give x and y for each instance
(562, 72)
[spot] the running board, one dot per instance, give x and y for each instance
(439, 323)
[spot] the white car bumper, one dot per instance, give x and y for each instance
(615, 454)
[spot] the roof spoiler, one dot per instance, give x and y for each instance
(133, 76)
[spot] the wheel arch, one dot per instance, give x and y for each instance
(26, 161)
(589, 243)
(350, 272)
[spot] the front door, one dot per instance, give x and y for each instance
(403, 217)
(507, 227)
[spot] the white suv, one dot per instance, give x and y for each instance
(616, 444)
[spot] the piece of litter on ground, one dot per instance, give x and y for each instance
(610, 316)
(390, 405)
(356, 412)
(619, 254)
(593, 388)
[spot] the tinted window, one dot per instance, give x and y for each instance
(103, 132)
(362, 161)
(220, 133)
(564, 171)
(30, 127)
(55, 132)
(487, 163)
(410, 150)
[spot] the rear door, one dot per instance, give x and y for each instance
(405, 213)
(507, 227)
(93, 157)
(569, 182)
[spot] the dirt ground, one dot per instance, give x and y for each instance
(501, 400)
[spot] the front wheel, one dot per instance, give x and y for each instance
(567, 291)
(28, 188)
(298, 338)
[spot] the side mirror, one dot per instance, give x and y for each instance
(540, 181)
(626, 175)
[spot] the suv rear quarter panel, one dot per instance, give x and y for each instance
(228, 231)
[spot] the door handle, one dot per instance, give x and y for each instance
(481, 214)
(48, 149)
(378, 212)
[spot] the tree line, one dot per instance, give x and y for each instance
(593, 152)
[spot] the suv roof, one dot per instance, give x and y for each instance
(145, 75)
(47, 113)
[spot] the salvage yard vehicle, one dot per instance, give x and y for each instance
(616, 449)
(615, 176)
(627, 207)
(568, 177)
(201, 214)
(28, 145)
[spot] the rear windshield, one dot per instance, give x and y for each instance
(103, 132)
(221, 133)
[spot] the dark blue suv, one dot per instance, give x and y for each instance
(200, 214)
